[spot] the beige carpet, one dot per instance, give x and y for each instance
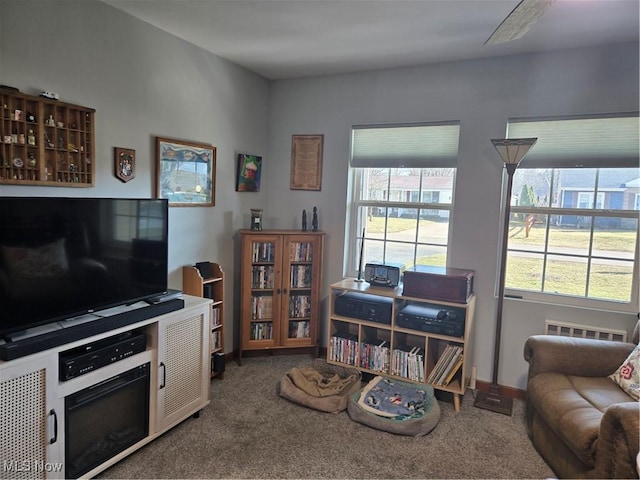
(248, 431)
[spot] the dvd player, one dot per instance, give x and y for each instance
(433, 319)
(90, 357)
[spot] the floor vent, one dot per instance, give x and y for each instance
(552, 327)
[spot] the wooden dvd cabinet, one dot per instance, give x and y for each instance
(280, 289)
(397, 348)
(45, 142)
(210, 285)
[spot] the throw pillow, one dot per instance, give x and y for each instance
(628, 374)
(48, 260)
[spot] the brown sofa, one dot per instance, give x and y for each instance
(581, 422)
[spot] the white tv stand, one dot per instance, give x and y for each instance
(32, 407)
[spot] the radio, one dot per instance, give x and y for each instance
(382, 275)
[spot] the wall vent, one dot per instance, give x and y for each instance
(553, 327)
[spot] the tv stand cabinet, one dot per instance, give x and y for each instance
(32, 411)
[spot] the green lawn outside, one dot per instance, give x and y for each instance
(563, 277)
(611, 282)
(376, 224)
(623, 241)
(615, 240)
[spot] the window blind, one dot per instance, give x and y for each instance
(405, 146)
(595, 141)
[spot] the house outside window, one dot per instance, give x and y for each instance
(402, 190)
(573, 234)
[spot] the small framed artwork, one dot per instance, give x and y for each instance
(306, 162)
(185, 172)
(249, 171)
(124, 160)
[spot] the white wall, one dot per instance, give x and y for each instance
(482, 95)
(143, 83)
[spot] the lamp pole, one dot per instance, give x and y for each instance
(511, 152)
(511, 169)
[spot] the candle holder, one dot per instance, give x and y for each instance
(256, 219)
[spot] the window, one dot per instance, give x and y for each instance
(128, 222)
(573, 233)
(402, 183)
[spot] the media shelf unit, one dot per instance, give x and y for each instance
(280, 284)
(33, 427)
(45, 142)
(388, 349)
(211, 286)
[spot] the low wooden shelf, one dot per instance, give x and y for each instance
(404, 353)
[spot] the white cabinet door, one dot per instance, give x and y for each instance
(183, 365)
(31, 419)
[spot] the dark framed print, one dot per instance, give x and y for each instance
(249, 172)
(185, 172)
(124, 160)
(306, 162)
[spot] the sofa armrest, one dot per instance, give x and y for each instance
(574, 356)
(618, 441)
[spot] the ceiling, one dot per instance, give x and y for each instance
(298, 38)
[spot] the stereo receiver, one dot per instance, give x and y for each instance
(364, 307)
(433, 319)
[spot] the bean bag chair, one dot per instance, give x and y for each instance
(396, 407)
(321, 386)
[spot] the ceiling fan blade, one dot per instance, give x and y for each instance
(518, 22)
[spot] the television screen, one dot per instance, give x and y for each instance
(65, 257)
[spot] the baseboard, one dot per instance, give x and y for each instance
(509, 392)
(267, 352)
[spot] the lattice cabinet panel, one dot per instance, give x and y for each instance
(183, 366)
(23, 426)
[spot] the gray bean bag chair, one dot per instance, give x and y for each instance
(396, 407)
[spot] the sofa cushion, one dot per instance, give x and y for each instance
(45, 261)
(628, 374)
(573, 408)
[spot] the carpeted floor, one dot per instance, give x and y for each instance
(248, 431)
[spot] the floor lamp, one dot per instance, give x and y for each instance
(511, 151)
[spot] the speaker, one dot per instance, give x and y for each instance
(204, 268)
(218, 363)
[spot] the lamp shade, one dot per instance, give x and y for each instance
(512, 150)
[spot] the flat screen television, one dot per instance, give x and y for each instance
(61, 258)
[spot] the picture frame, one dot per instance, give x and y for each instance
(124, 161)
(185, 172)
(306, 162)
(248, 173)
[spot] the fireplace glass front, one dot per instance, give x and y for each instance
(105, 419)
